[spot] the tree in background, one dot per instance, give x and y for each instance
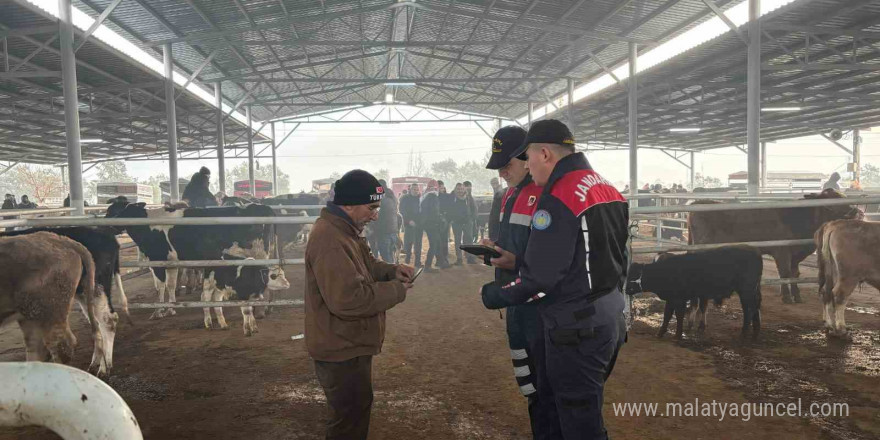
(112, 171)
(383, 174)
(261, 172)
(870, 175)
(701, 181)
(446, 170)
(37, 181)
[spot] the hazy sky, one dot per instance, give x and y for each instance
(316, 150)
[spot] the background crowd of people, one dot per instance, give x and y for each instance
(435, 213)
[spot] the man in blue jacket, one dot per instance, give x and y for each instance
(574, 268)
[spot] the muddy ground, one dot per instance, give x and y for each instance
(445, 371)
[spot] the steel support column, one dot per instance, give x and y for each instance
(71, 107)
(571, 123)
(171, 122)
(857, 156)
(221, 154)
(763, 166)
(692, 171)
(274, 164)
(250, 146)
(753, 104)
(633, 111)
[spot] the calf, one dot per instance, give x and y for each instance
(303, 235)
(700, 276)
(242, 283)
(848, 255)
(39, 276)
(104, 250)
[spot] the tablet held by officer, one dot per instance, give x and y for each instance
(573, 270)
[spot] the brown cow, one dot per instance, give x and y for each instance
(39, 276)
(848, 256)
(767, 225)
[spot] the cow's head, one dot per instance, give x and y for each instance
(117, 205)
(275, 278)
(828, 213)
(634, 279)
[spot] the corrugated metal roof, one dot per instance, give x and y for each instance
(291, 57)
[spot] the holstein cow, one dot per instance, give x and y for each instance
(241, 283)
(185, 242)
(848, 256)
(698, 277)
(104, 250)
(39, 276)
(767, 225)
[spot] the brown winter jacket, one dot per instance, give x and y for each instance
(347, 291)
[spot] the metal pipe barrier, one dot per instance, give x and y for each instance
(213, 263)
(72, 403)
(201, 304)
(166, 221)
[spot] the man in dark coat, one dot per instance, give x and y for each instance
(412, 229)
(197, 192)
(433, 224)
(385, 229)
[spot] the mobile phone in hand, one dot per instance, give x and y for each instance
(418, 272)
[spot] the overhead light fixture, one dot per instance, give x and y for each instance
(400, 84)
(389, 98)
(685, 130)
(781, 109)
(91, 141)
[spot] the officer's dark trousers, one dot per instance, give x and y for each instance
(412, 238)
(581, 342)
(349, 390)
(524, 338)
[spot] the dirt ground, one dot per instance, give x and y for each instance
(445, 371)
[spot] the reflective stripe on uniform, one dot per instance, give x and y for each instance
(527, 389)
(521, 219)
(586, 232)
(518, 354)
(521, 371)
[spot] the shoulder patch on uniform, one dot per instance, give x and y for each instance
(541, 220)
(581, 189)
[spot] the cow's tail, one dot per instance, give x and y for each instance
(824, 258)
(87, 283)
(122, 297)
(690, 228)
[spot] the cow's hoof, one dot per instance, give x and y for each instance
(224, 327)
(170, 312)
(844, 336)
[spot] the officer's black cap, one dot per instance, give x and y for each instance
(547, 131)
(504, 142)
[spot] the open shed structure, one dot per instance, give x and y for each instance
(93, 80)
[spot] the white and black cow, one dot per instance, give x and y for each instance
(190, 242)
(240, 283)
(698, 277)
(104, 250)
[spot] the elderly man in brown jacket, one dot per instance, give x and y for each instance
(347, 294)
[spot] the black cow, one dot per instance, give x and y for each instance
(240, 283)
(104, 250)
(185, 242)
(697, 277)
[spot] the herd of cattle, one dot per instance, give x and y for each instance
(43, 271)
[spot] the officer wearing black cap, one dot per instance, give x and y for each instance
(573, 270)
(523, 324)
